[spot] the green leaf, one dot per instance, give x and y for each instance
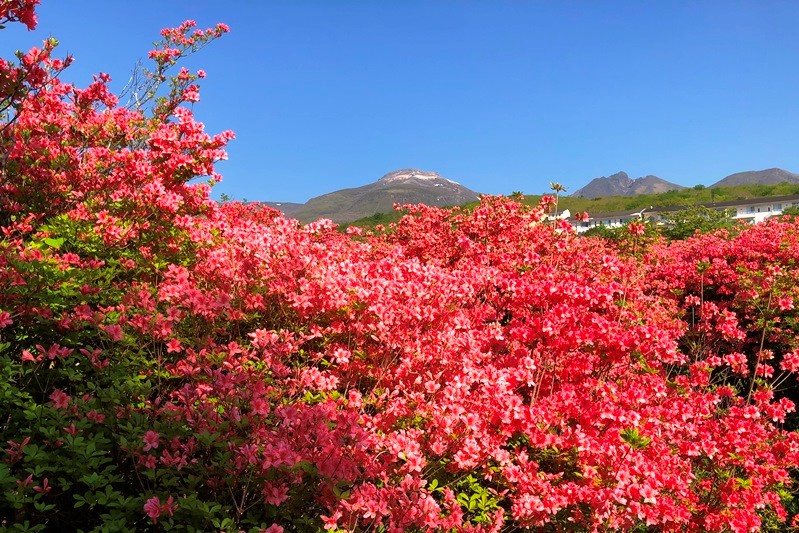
(54, 243)
(634, 439)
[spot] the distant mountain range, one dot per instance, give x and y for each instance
(407, 186)
(413, 186)
(620, 184)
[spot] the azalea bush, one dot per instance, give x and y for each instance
(739, 299)
(172, 363)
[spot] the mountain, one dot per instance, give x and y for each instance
(407, 186)
(620, 184)
(771, 176)
(288, 208)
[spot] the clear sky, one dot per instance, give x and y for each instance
(500, 96)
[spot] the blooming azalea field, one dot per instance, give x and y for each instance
(168, 362)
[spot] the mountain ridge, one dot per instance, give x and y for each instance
(620, 184)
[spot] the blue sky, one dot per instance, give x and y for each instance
(499, 95)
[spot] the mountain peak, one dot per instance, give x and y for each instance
(405, 186)
(770, 176)
(620, 184)
(411, 173)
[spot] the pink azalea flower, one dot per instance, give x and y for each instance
(150, 440)
(154, 508)
(114, 331)
(60, 399)
(173, 346)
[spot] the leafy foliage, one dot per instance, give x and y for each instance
(686, 222)
(791, 211)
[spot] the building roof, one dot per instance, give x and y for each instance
(752, 201)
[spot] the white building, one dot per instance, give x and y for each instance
(609, 220)
(759, 209)
(753, 210)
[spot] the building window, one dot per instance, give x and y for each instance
(750, 209)
(777, 207)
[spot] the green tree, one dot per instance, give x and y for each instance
(792, 211)
(686, 222)
(604, 232)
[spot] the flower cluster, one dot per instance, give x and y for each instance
(23, 11)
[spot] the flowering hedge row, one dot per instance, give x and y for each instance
(168, 362)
